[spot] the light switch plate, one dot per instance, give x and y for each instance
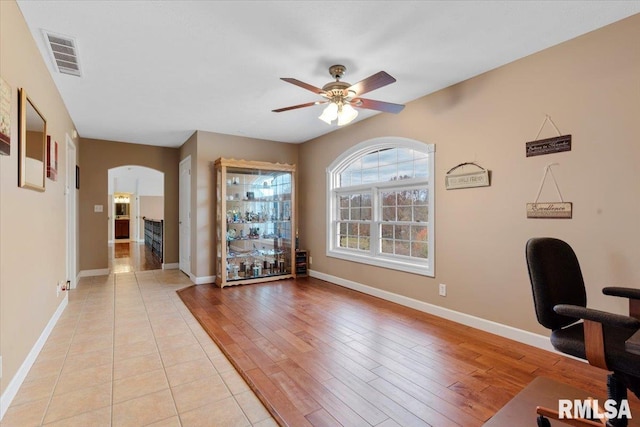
(97, 208)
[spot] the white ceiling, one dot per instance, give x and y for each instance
(156, 71)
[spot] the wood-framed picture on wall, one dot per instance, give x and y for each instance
(52, 159)
(77, 177)
(5, 118)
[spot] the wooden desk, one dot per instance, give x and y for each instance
(632, 345)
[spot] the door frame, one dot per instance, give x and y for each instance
(184, 215)
(71, 241)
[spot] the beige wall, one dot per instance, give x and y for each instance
(151, 207)
(209, 147)
(96, 158)
(590, 88)
(32, 224)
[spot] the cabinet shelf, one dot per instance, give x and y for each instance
(255, 221)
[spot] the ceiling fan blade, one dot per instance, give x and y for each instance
(293, 107)
(303, 85)
(371, 104)
(373, 82)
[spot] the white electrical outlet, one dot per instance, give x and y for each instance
(57, 290)
(310, 260)
(442, 291)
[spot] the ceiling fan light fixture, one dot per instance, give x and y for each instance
(330, 113)
(346, 115)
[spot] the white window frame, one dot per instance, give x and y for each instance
(423, 267)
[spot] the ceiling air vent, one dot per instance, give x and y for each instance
(64, 53)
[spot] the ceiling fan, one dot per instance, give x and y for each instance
(343, 96)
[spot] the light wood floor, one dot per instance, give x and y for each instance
(128, 256)
(322, 355)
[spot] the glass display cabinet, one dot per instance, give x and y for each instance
(255, 221)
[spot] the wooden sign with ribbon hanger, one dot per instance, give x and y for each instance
(549, 209)
(557, 144)
(467, 180)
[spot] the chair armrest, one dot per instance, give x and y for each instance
(615, 291)
(630, 293)
(603, 317)
(594, 320)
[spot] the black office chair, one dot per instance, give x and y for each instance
(560, 303)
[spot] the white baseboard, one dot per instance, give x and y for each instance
(204, 280)
(170, 266)
(506, 331)
(91, 273)
(17, 380)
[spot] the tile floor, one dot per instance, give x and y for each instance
(127, 352)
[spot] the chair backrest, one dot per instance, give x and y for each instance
(556, 278)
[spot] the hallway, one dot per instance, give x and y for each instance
(127, 352)
(127, 256)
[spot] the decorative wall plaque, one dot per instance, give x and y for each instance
(548, 146)
(479, 178)
(546, 210)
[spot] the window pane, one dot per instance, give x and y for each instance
(402, 232)
(344, 213)
(389, 214)
(405, 170)
(387, 246)
(355, 213)
(404, 213)
(370, 160)
(386, 231)
(356, 178)
(344, 201)
(404, 154)
(388, 157)
(369, 176)
(366, 199)
(342, 228)
(421, 168)
(364, 243)
(419, 233)
(352, 229)
(365, 214)
(419, 250)
(402, 248)
(420, 213)
(387, 173)
(355, 200)
(352, 242)
(405, 198)
(388, 199)
(345, 179)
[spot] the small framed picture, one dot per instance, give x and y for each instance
(250, 195)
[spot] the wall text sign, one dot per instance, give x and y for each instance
(467, 180)
(549, 210)
(548, 146)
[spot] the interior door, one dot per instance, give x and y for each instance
(184, 215)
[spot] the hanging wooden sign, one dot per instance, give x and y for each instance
(548, 146)
(560, 209)
(467, 180)
(550, 210)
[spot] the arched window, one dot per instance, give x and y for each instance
(380, 205)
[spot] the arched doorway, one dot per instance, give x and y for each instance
(135, 193)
